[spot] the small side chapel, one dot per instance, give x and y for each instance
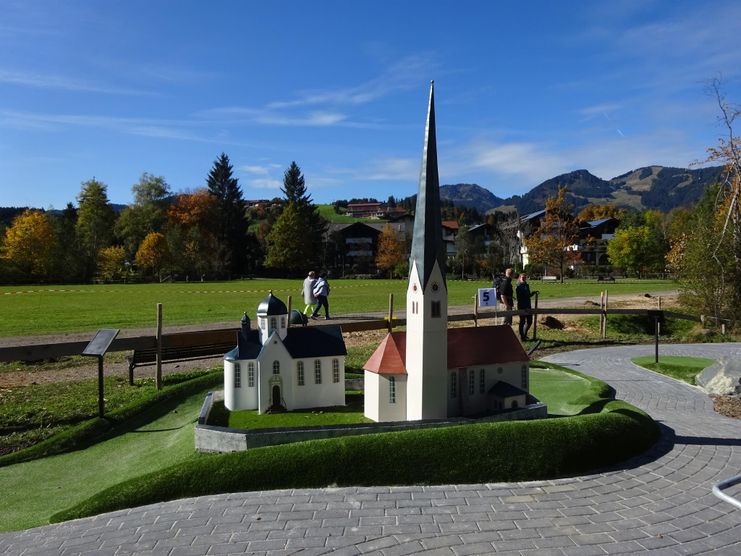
(277, 368)
(430, 371)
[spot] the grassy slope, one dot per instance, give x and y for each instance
(675, 366)
(35, 490)
(33, 310)
(73, 477)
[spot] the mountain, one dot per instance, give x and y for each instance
(651, 187)
(470, 195)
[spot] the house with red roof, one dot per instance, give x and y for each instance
(430, 371)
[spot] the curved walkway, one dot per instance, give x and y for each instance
(660, 502)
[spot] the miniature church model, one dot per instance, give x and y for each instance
(277, 368)
(430, 372)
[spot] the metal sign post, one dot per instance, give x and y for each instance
(97, 348)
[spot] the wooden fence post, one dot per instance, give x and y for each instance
(475, 310)
(289, 311)
(535, 318)
(158, 376)
(391, 312)
(604, 326)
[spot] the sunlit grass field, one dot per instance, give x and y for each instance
(47, 309)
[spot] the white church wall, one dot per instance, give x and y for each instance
(392, 395)
(371, 396)
(327, 393)
(238, 395)
(273, 352)
(427, 346)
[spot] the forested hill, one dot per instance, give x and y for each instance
(652, 187)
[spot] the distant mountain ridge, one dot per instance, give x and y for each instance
(650, 187)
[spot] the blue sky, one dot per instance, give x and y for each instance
(524, 91)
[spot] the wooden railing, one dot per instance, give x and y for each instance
(55, 350)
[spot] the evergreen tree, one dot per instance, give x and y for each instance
(95, 219)
(230, 221)
(296, 240)
(294, 187)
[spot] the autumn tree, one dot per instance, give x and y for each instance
(550, 244)
(112, 264)
(707, 255)
(229, 222)
(94, 227)
(29, 245)
(598, 212)
(146, 214)
(190, 236)
(391, 253)
(296, 239)
(153, 254)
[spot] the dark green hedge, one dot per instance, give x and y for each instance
(491, 452)
(123, 419)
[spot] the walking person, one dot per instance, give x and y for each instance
(523, 302)
(506, 295)
(308, 292)
(321, 292)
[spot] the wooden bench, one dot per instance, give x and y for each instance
(187, 346)
(549, 278)
(605, 278)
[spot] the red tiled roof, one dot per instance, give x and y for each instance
(467, 347)
(451, 224)
(389, 356)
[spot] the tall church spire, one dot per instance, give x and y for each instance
(427, 237)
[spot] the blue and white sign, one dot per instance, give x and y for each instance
(487, 297)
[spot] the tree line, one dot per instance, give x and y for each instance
(209, 232)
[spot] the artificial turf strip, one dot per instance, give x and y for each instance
(494, 452)
(121, 420)
(676, 366)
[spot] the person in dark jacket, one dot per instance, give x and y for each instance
(523, 302)
(506, 295)
(321, 293)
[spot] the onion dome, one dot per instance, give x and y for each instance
(271, 306)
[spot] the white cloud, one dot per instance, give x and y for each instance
(391, 169)
(43, 81)
(166, 129)
(254, 169)
(604, 110)
(404, 74)
(528, 161)
(266, 183)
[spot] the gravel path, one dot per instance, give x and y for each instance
(659, 502)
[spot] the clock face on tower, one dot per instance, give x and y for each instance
(435, 287)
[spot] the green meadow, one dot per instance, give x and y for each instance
(49, 309)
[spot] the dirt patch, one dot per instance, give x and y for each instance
(730, 406)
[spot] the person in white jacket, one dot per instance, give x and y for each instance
(308, 292)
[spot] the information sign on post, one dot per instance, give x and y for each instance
(487, 297)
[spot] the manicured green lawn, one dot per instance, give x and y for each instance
(675, 366)
(36, 310)
(560, 391)
(341, 415)
(34, 490)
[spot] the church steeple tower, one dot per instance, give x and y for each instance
(427, 293)
(427, 237)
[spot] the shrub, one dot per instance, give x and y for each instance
(510, 451)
